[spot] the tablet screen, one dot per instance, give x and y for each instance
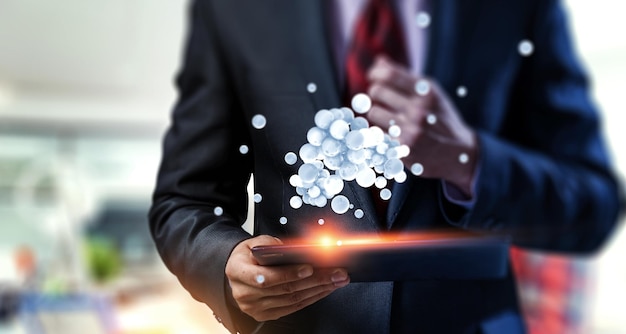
(390, 259)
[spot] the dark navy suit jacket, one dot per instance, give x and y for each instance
(544, 177)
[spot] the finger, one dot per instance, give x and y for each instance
(241, 266)
(380, 116)
(385, 71)
(263, 240)
(296, 297)
(384, 94)
(267, 277)
(276, 313)
(246, 286)
(320, 278)
(262, 276)
(421, 90)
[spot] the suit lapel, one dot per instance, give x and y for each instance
(440, 63)
(309, 28)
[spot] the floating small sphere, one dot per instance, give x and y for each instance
(296, 181)
(301, 191)
(354, 140)
(218, 211)
(315, 136)
(378, 159)
(359, 123)
(331, 147)
(348, 171)
(323, 118)
(314, 192)
(348, 115)
(461, 91)
(366, 177)
(295, 202)
(395, 131)
(400, 177)
(369, 153)
(337, 113)
(385, 194)
(356, 157)
(291, 158)
(318, 164)
(361, 103)
(320, 221)
(382, 148)
(340, 204)
(308, 153)
(417, 169)
(311, 87)
(422, 20)
(260, 279)
(333, 163)
(333, 185)
(368, 140)
(431, 119)
(377, 134)
(380, 182)
(403, 151)
(339, 129)
(358, 213)
(259, 121)
(422, 87)
(526, 48)
(320, 201)
(257, 198)
(392, 153)
(393, 167)
(243, 149)
(463, 158)
(308, 173)
(283, 220)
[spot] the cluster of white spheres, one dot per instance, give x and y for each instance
(342, 147)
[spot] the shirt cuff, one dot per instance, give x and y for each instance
(455, 196)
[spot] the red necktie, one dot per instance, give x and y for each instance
(377, 32)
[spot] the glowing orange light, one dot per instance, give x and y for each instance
(329, 238)
(326, 241)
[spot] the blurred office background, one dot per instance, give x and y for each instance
(85, 95)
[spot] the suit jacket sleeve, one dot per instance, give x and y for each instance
(202, 169)
(545, 179)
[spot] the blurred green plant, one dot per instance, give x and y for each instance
(103, 260)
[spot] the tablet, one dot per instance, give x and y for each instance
(377, 259)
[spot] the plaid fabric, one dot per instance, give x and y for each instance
(552, 291)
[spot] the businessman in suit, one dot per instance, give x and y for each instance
(534, 166)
